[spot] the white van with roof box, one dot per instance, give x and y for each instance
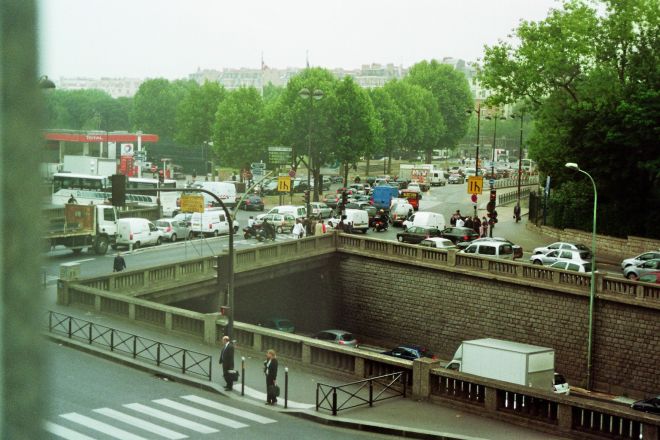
(426, 219)
(137, 232)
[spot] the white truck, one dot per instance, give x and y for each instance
(424, 174)
(508, 361)
(96, 166)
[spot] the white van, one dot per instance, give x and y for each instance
(356, 217)
(137, 232)
(491, 249)
(426, 219)
(225, 192)
(211, 222)
(299, 212)
(399, 211)
(437, 178)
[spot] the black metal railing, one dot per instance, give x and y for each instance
(138, 347)
(336, 398)
(505, 199)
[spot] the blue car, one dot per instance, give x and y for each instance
(409, 352)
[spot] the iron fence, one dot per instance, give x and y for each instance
(336, 398)
(138, 347)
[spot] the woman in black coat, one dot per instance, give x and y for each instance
(270, 369)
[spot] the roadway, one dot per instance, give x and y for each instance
(93, 398)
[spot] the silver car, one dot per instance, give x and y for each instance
(634, 272)
(568, 255)
(340, 337)
(561, 245)
(634, 261)
(571, 266)
(174, 229)
(321, 210)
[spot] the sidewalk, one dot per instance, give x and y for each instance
(403, 417)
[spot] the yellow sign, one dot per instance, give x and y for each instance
(192, 203)
(475, 184)
(284, 184)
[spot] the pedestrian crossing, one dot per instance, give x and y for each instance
(165, 418)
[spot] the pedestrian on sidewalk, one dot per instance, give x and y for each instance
(468, 222)
(227, 362)
(460, 222)
(476, 225)
(516, 212)
(319, 228)
(298, 230)
(484, 227)
(118, 264)
(270, 370)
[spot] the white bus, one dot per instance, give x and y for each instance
(88, 189)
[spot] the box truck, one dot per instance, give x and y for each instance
(514, 362)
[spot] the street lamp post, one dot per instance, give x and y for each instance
(317, 95)
(520, 151)
(592, 284)
(476, 162)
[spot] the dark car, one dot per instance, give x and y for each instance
(416, 234)
(517, 250)
(456, 234)
(651, 405)
(409, 352)
(252, 203)
(280, 324)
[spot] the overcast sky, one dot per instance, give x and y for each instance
(172, 38)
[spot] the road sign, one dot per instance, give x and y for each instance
(292, 173)
(279, 155)
(258, 165)
(475, 184)
(491, 182)
(474, 198)
(284, 184)
(192, 203)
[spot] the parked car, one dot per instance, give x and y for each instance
(279, 324)
(517, 250)
(634, 261)
(137, 232)
(651, 405)
(457, 234)
(438, 243)
(653, 277)
(569, 255)
(174, 229)
(409, 352)
(576, 267)
(634, 272)
(320, 210)
(252, 203)
(416, 234)
(340, 337)
(456, 178)
(561, 245)
(490, 248)
(560, 385)
(184, 217)
(281, 222)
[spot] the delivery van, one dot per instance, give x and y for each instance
(211, 222)
(426, 219)
(137, 232)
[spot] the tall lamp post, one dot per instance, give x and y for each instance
(476, 162)
(592, 286)
(495, 117)
(520, 150)
(316, 95)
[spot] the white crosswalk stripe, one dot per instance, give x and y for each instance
(228, 409)
(64, 432)
(101, 427)
(142, 424)
(171, 418)
(200, 413)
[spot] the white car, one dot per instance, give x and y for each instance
(636, 261)
(568, 255)
(438, 243)
(571, 266)
(560, 386)
(560, 245)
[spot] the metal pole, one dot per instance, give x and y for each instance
(520, 155)
(476, 163)
(286, 387)
(334, 401)
(592, 287)
(492, 171)
(242, 375)
(371, 393)
(309, 156)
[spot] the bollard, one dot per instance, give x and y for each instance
(286, 387)
(242, 375)
(334, 401)
(371, 393)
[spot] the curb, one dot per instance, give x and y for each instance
(212, 387)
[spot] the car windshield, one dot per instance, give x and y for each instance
(347, 337)
(587, 267)
(285, 323)
(584, 255)
(162, 223)
(559, 379)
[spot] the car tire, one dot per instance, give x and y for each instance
(136, 245)
(279, 229)
(632, 276)
(173, 238)
(101, 247)
(399, 239)
(216, 233)
(159, 241)
(190, 235)
(537, 262)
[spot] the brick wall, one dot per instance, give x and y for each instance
(405, 303)
(619, 247)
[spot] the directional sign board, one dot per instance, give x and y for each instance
(192, 203)
(279, 155)
(284, 184)
(475, 184)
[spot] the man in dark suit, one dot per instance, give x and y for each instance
(227, 361)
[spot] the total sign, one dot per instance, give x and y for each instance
(126, 149)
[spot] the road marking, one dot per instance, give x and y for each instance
(171, 418)
(200, 413)
(258, 395)
(66, 433)
(82, 261)
(142, 424)
(101, 427)
(228, 409)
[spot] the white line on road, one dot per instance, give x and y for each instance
(101, 427)
(251, 392)
(82, 261)
(142, 424)
(201, 414)
(171, 418)
(228, 409)
(66, 433)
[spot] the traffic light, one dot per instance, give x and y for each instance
(161, 177)
(118, 182)
(307, 197)
(493, 196)
(490, 207)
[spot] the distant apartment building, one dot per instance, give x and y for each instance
(115, 87)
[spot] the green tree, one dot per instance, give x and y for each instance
(155, 106)
(195, 114)
(393, 121)
(451, 90)
(238, 128)
(86, 110)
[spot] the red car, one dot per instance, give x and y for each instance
(653, 277)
